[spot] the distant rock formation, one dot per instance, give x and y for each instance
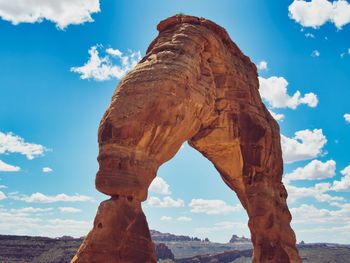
(225, 257)
(167, 237)
(195, 85)
(236, 238)
(163, 252)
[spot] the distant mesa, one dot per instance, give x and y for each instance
(235, 239)
(159, 237)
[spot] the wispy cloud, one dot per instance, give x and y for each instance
(4, 167)
(212, 207)
(69, 210)
(42, 198)
(165, 202)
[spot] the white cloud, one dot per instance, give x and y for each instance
(2, 186)
(69, 210)
(166, 218)
(304, 145)
(166, 202)
(315, 53)
(30, 210)
(316, 13)
(309, 35)
(277, 116)
(4, 167)
(310, 214)
(101, 68)
(315, 170)
(262, 65)
(159, 186)
(2, 196)
(41, 198)
(274, 91)
(318, 192)
(47, 170)
(347, 117)
(344, 184)
(184, 219)
(63, 12)
(212, 207)
(13, 222)
(11, 143)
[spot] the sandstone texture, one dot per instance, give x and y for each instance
(195, 85)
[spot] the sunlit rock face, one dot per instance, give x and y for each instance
(195, 85)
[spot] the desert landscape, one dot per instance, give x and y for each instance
(179, 131)
(170, 248)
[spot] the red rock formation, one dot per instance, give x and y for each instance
(194, 85)
(163, 252)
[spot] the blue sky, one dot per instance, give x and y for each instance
(54, 93)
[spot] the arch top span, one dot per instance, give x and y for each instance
(195, 85)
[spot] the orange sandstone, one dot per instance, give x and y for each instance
(195, 85)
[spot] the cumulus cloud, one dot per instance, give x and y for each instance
(212, 207)
(166, 202)
(47, 170)
(316, 13)
(262, 65)
(42, 198)
(305, 145)
(69, 210)
(4, 167)
(274, 91)
(113, 64)
(159, 186)
(315, 170)
(63, 13)
(344, 184)
(318, 192)
(347, 117)
(310, 214)
(11, 143)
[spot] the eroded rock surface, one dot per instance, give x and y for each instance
(194, 85)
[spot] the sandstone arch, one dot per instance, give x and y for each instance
(194, 85)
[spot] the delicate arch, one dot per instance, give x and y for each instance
(195, 85)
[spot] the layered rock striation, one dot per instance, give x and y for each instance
(195, 85)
